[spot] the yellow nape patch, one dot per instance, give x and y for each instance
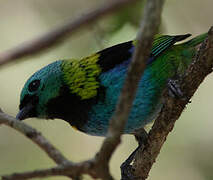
(81, 75)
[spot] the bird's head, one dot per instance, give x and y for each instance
(65, 89)
(40, 88)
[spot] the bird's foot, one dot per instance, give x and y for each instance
(126, 167)
(174, 89)
(141, 136)
(127, 171)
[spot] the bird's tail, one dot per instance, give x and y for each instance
(189, 51)
(196, 40)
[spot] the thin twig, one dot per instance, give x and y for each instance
(67, 169)
(60, 34)
(173, 108)
(34, 135)
(56, 171)
(148, 29)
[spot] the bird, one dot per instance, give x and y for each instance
(84, 92)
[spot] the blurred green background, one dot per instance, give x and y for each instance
(188, 151)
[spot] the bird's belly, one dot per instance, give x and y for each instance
(145, 107)
(141, 114)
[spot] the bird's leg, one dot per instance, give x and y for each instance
(126, 167)
(174, 89)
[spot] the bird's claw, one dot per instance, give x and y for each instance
(126, 167)
(127, 171)
(174, 89)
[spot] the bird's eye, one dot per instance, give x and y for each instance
(34, 85)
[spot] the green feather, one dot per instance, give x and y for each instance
(161, 43)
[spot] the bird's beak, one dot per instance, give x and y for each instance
(25, 112)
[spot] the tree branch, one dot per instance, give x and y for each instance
(147, 31)
(60, 34)
(34, 135)
(67, 169)
(195, 74)
(56, 171)
(98, 166)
